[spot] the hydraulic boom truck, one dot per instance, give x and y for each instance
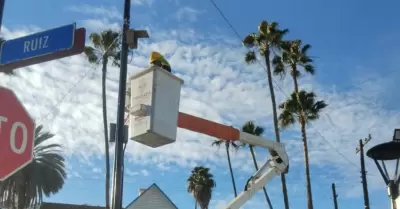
(153, 116)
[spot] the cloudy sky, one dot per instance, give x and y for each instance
(356, 51)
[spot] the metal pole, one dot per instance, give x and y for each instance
(2, 2)
(119, 142)
(334, 196)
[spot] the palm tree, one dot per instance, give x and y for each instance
(269, 37)
(250, 128)
(106, 46)
(45, 175)
(294, 55)
(200, 185)
(235, 146)
(308, 110)
(293, 58)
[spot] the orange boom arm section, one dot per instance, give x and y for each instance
(207, 127)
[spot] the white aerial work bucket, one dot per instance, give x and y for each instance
(154, 106)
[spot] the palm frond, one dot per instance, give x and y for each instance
(95, 38)
(90, 53)
(305, 48)
(263, 28)
(44, 176)
(279, 67)
(201, 184)
(258, 131)
(309, 69)
(286, 119)
(250, 57)
(250, 41)
(217, 143)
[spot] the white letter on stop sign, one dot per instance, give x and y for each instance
(13, 131)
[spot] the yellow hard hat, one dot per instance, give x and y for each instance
(155, 56)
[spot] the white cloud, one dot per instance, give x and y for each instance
(144, 172)
(187, 14)
(219, 86)
(100, 25)
(101, 11)
(143, 2)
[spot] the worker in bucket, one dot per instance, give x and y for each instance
(159, 60)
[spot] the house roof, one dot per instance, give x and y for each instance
(158, 188)
(48, 205)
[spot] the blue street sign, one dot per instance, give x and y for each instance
(38, 44)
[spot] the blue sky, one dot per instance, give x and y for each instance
(355, 47)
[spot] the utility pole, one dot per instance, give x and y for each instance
(117, 189)
(334, 196)
(2, 2)
(360, 150)
(129, 41)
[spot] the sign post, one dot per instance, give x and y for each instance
(17, 134)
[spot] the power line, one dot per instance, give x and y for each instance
(276, 84)
(53, 109)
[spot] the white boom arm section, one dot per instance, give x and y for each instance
(275, 166)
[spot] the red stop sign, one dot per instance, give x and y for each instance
(17, 133)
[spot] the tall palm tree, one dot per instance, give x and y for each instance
(250, 128)
(268, 38)
(228, 144)
(302, 108)
(200, 185)
(45, 175)
(106, 47)
(295, 57)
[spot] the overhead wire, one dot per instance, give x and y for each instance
(58, 103)
(53, 109)
(275, 83)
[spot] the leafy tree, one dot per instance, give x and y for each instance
(45, 175)
(106, 47)
(201, 184)
(268, 38)
(250, 128)
(302, 108)
(293, 59)
(228, 144)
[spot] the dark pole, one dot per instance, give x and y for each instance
(119, 141)
(334, 196)
(2, 2)
(364, 173)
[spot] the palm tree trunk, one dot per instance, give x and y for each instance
(307, 165)
(105, 123)
(296, 85)
(230, 168)
(195, 204)
(276, 127)
(256, 166)
(305, 143)
(21, 201)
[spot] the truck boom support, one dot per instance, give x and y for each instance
(278, 162)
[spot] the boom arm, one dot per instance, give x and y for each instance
(274, 166)
(277, 164)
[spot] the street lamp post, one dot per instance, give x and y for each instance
(129, 41)
(2, 2)
(386, 152)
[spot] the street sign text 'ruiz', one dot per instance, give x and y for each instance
(38, 44)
